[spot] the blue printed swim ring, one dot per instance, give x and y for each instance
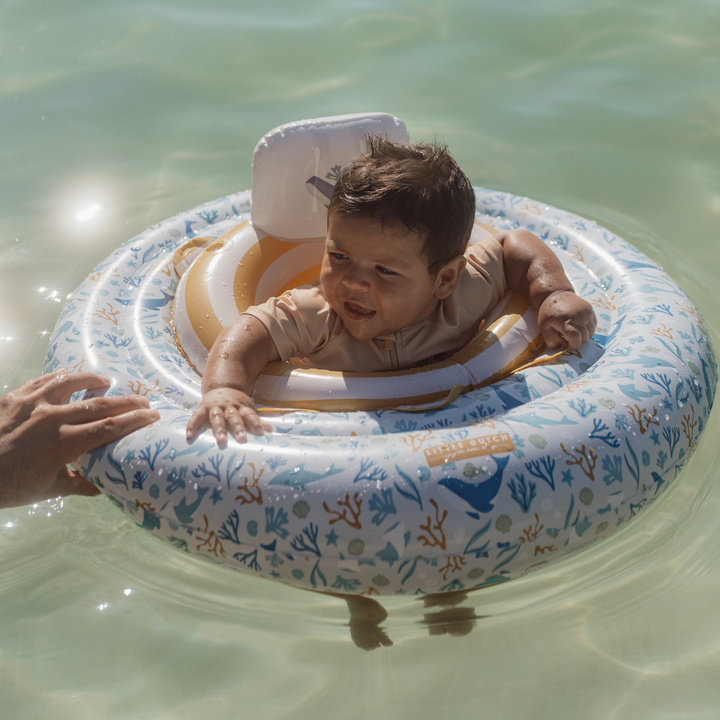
(498, 482)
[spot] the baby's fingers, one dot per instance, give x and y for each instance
(197, 420)
(590, 328)
(577, 334)
(246, 421)
(558, 334)
(254, 423)
(237, 428)
(572, 335)
(217, 423)
(553, 338)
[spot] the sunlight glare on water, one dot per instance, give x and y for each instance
(114, 116)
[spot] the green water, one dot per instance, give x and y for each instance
(609, 109)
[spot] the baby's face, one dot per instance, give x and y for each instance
(374, 278)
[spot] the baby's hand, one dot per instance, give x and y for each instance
(225, 407)
(566, 319)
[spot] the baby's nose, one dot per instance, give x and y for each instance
(355, 279)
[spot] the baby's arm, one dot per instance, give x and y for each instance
(533, 269)
(237, 357)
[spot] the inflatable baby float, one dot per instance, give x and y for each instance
(467, 473)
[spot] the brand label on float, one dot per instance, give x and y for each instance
(472, 447)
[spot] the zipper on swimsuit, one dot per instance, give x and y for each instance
(390, 347)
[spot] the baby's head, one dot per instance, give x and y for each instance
(399, 220)
(416, 188)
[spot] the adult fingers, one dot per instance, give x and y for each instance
(62, 385)
(84, 411)
(88, 436)
(69, 482)
(42, 382)
(33, 390)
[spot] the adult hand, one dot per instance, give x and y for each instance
(40, 432)
(566, 319)
(223, 407)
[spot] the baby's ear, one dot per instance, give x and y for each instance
(449, 277)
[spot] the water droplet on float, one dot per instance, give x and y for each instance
(207, 316)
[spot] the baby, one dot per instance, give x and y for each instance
(397, 288)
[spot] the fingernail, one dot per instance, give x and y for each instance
(154, 414)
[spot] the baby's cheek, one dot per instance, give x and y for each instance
(327, 287)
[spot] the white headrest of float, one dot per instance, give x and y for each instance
(295, 167)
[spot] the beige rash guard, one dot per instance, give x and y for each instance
(308, 333)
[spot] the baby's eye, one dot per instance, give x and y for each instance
(337, 256)
(384, 271)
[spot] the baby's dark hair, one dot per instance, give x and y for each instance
(420, 187)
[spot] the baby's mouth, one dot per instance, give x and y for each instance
(357, 312)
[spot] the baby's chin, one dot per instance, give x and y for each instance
(367, 331)
(360, 331)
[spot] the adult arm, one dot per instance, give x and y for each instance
(40, 432)
(534, 270)
(239, 354)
